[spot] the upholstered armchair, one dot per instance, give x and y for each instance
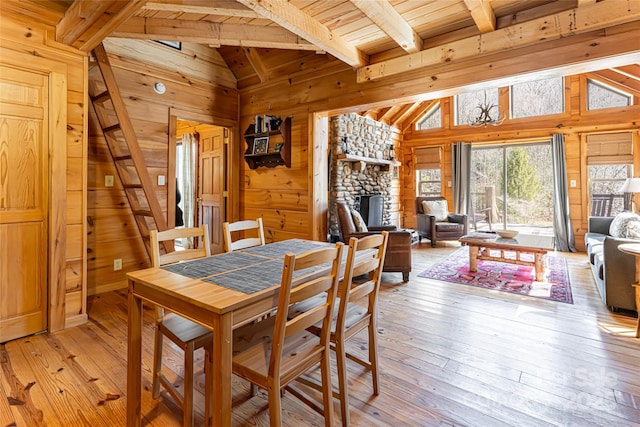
(398, 256)
(436, 223)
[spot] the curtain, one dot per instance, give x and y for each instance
(561, 219)
(461, 168)
(188, 180)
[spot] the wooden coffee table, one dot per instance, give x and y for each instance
(480, 245)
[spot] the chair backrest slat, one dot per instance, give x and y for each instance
(324, 281)
(362, 259)
(248, 225)
(158, 259)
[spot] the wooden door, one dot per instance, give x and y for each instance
(211, 187)
(24, 195)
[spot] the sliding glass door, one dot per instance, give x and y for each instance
(512, 187)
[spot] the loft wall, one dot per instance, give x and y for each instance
(576, 123)
(28, 44)
(199, 86)
(293, 201)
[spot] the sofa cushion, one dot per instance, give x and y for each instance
(449, 226)
(599, 264)
(593, 239)
(361, 226)
(633, 230)
(595, 250)
(620, 224)
(437, 208)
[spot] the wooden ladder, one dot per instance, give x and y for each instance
(125, 151)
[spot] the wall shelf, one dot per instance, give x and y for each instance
(271, 158)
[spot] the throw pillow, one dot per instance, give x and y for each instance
(437, 208)
(620, 225)
(633, 230)
(359, 222)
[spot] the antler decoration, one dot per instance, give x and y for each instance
(484, 118)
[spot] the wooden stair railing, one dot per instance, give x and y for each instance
(125, 151)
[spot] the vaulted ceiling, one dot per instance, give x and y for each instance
(265, 39)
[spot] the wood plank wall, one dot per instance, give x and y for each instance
(330, 88)
(197, 81)
(30, 44)
(575, 124)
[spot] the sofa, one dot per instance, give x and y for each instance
(614, 271)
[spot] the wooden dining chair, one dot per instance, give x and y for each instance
(273, 352)
(187, 335)
(356, 310)
(254, 227)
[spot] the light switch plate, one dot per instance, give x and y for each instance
(161, 180)
(108, 180)
(572, 183)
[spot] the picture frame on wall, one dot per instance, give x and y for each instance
(261, 145)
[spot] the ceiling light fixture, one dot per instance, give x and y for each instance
(484, 118)
(159, 88)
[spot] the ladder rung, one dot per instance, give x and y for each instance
(119, 158)
(101, 97)
(143, 213)
(111, 128)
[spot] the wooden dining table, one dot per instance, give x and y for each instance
(219, 292)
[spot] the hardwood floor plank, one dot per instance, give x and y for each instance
(450, 355)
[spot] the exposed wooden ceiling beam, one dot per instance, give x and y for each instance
(211, 33)
(87, 22)
(219, 8)
(632, 71)
(418, 113)
(482, 14)
(295, 20)
(256, 62)
(383, 14)
(619, 80)
(389, 114)
(580, 3)
(552, 27)
(405, 114)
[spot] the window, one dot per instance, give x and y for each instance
(537, 98)
(429, 182)
(610, 160)
(467, 105)
(601, 96)
(431, 120)
(428, 171)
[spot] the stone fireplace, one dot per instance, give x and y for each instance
(362, 164)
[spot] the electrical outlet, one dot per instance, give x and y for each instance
(117, 264)
(108, 180)
(449, 184)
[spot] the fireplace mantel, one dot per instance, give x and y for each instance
(351, 158)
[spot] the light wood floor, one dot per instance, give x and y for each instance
(451, 355)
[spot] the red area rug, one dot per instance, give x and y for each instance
(505, 277)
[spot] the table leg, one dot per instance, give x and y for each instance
(473, 257)
(539, 267)
(134, 359)
(221, 370)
